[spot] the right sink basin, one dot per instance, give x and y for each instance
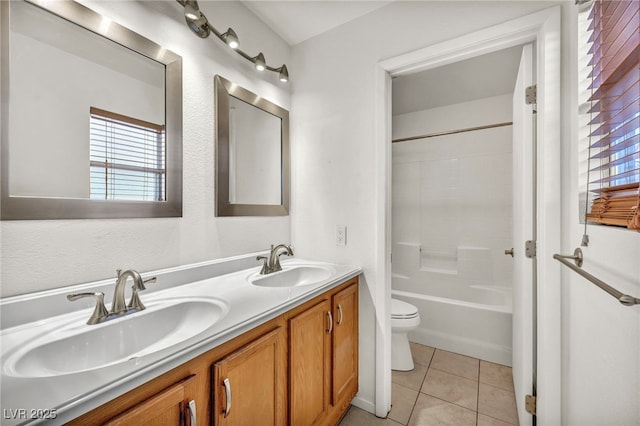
(293, 276)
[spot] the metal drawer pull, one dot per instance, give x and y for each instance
(192, 412)
(340, 312)
(330, 322)
(227, 389)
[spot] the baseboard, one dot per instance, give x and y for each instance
(464, 346)
(364, 404)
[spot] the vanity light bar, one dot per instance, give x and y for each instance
(201, 27)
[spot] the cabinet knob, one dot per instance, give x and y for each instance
(340, 313)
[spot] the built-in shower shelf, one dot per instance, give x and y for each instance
(399, 276)
(445, 271)
(440, 261)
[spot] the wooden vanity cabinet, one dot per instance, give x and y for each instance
(345, 346)
(323, 357)
(250, 386)
(310, 364)
(300, 368)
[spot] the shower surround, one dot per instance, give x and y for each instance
(452, 221)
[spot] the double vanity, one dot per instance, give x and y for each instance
(222, 342)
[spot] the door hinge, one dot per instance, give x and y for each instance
(531, 95)
(530, 249)
(530, 404)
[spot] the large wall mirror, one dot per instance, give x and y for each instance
(91, 117)
(252, 153)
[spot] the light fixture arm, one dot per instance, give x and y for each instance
(202, 27)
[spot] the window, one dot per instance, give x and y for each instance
(127, 158)
(614, 112)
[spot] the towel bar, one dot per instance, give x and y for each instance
(625, 299)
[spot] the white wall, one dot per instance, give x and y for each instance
(333, 125)
(38, 255)
(601, 337)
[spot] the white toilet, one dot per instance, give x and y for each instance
(404, 318)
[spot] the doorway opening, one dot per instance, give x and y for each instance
(456, 209)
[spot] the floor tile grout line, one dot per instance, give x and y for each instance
(454, 374)
(415, 402)
(495, 418)
(478, 382)
(452, 403)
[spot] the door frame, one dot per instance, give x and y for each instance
(543, 29)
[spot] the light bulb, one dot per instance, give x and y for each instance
(231, 38)
(260, 62)
(191, 12)
(284, 74)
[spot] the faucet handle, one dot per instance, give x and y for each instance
(135, 302)
(265, 266)
(100, 312)
(145, 281)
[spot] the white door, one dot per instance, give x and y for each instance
(523, 230)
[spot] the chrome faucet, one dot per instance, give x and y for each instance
(118, 306)
(272, 263)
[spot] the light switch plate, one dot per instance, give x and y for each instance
(341, 235)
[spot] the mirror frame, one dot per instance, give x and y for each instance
(223, 90)
(37, 208)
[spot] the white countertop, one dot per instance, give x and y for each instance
(70, 395)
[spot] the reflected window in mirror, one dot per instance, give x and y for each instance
(64, 68)
(252, 153)
(126, 158)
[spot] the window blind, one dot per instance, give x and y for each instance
(127, 158)
(614, 137)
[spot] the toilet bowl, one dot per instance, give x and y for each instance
(404, 318)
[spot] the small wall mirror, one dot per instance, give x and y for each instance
(92, 126)
(252, 153)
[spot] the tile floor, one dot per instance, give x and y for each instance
(446, 388)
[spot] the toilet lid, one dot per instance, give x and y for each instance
(400, 309)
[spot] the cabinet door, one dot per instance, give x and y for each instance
(345, 344)
(309, 368)
(249, 386)
(167, 408)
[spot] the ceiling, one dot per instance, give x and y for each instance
(484, 76)
(481, 77)
(298, 20)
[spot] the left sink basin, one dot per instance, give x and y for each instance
(75, 348)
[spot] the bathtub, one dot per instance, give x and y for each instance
(472, 320)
